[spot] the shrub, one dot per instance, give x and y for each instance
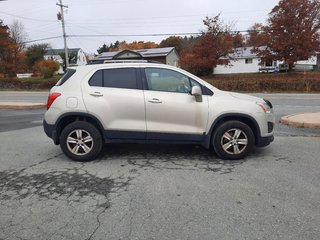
(46, 67)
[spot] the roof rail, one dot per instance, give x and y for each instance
(125, 61)
(99, 61)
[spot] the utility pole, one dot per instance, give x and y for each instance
(61, 17)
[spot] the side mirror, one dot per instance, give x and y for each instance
(197, 93)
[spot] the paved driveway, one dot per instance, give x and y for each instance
(159, 192)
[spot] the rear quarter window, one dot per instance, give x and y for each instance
(66, 76)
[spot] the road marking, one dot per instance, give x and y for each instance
(37, 122)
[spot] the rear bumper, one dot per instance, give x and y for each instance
(264, 141)
(51, 131)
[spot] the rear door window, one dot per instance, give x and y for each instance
(120, 78)
(115, 78)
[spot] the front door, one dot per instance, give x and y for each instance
(172, 113)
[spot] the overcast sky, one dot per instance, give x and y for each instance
(127, 17)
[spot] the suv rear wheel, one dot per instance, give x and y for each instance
(233, 140)
(81, 141)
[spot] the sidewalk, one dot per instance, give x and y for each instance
(306, 120)
(21, 105)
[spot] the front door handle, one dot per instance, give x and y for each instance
(154, 100)
(96, 94)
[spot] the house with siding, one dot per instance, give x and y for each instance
(244, 60)
(78, 57)
(166, 55)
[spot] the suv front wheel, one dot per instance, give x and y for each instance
(233, 140)
(81, 141)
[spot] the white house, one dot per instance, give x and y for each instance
(307, 65)
(78, 57)
(244, 60)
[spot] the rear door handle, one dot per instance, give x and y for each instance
(154, 100)
(96, 94)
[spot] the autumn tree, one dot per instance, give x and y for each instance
(238, 40)
(46, 67)
(8, 48)
(35, 52)
(173, 41)
(292, 31)
(256, 36)
(211, 49)
(135, 45)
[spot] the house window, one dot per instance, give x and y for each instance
(248, 60)
(269, 63)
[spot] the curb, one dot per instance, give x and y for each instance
(302, 120)
(21, 106)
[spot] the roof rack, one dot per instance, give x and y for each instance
(125, 61)
(98, 61)
(131, 61)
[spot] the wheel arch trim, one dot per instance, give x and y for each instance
(230, 117)
(59, 123)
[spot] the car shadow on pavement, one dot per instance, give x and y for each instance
(168, 157)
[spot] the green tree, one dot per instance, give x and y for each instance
(102, 49)
(108, 48)
(35, 52)
(172, 41)
(71, 56)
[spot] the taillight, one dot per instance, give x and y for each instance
(51, 98)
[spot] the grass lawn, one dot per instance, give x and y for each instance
(33, 83)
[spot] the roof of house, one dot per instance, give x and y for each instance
(151, 52)
(243, 52)
(52, 51)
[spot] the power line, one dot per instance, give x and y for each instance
(42, 39)
(138, 35)
(27, 18)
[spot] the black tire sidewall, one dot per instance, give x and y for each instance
(216, 141)
(92, 130)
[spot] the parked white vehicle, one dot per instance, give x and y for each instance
(154, 103)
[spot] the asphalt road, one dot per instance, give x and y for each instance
(160, 191)
(284, 104)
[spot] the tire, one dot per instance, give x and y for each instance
(233, 140)
(81, 141)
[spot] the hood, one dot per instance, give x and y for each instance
(245, 97)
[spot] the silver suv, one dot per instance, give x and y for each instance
(152, 103)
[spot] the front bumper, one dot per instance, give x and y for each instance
(264, 141)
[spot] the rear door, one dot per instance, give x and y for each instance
(116, 98)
